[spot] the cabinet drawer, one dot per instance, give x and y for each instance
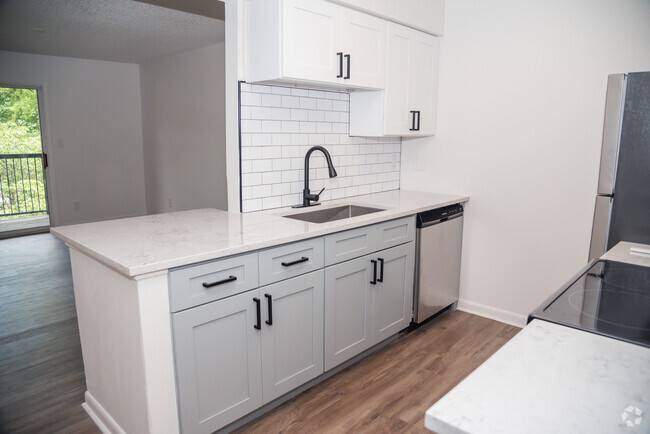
(350, 244)
(291, 260)
(200, 284)
(395, 232)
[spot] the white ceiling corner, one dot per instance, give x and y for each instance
(114, 30)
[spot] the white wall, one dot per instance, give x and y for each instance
(183, 122)
(521, 102)
(93, 133)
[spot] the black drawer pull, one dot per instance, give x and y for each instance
(220, 282)
(340, 65)
(413, 128)
(270, 301)
(297, 261)
(258, 326)
(374, 272)
(381, 270)
(347, 75)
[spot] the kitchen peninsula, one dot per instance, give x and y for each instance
(126, 303)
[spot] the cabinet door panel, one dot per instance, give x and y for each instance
(398, 76)
(217, 353)
(348, 310)
(394, 296)
(292, 346)
(363, 37)
(424, 81)
(311, 35)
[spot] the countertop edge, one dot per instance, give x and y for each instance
(352, 223)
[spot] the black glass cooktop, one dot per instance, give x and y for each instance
(608, 298)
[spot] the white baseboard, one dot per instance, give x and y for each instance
(100, 416)
(515, 319)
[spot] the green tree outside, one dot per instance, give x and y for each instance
(22, 186)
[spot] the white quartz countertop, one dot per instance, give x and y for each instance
(630, 253)
(140, 245)
(551, 379)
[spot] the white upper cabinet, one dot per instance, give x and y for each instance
(363, 40)
(310, 38)
(314, 42)
(407, 107)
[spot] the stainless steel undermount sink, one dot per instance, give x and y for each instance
(325, 215)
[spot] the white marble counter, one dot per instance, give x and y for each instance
(622, 253)
(139, 245)
(551, 379)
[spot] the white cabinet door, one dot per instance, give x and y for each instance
(363, 40)
(311, 40)
(292, 333)
(348, 310)
(393, 294)
(423, 82)
(398, 75)
(407, 106)
(218, 367)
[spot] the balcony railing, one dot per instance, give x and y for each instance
(22, 185)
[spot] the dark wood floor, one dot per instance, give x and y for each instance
(391, 390)
(42, 380)
(41, 369)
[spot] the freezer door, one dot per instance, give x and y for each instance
(600, 229)
(614, 103)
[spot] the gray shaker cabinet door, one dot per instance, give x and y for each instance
(218, 362)
(393, 296)
(348, 310)
(292, 345)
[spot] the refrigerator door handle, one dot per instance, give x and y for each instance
(600, 229)
(614, 105)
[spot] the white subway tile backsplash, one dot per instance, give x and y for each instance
(249, 99)
(271, 100)
(308, 103)
(278, 126)
(299, 92)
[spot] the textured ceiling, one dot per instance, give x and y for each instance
(116, 30)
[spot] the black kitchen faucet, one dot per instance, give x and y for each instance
(307, 197)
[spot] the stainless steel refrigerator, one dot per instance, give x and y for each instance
(622, 211)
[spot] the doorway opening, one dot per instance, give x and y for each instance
(23, 185)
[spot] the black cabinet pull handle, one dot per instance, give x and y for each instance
(413, 121)
(340, 65)
(269, 299)
(381, 270)
(219, 282)
(258, 326)
(418, 113)
(374, 272)
(347, 75)
(297, 261)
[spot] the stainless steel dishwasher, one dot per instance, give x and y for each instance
(438, 241)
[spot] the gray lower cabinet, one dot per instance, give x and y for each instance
(348, 310)
(393, 296)
(218, 362)
(226, 367)
(292, 344)
(363, 306)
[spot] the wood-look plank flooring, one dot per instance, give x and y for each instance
(42, 378)
(389, 391)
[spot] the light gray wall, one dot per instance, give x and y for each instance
(93, 133)
(183, 123)
(520, 118)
